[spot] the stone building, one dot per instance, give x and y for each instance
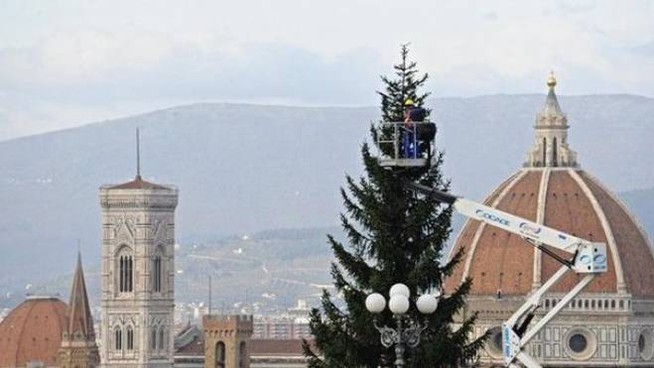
(45, 332)
(611, 323)
(138, 225)
(226, 341)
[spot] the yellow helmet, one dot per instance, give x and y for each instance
(409, 102)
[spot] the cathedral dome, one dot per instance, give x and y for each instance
(553, 190)
(611, 322)
(32, 332)
(567, 199)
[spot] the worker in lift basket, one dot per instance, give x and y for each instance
(412, 113)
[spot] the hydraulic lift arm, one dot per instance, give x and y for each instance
(586, 258)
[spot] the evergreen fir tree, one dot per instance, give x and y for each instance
(393, 235)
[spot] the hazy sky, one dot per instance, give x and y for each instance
(65, 63)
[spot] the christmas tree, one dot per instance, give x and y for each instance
(393, 236)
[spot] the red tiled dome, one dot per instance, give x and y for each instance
(566, 199)
(551, 189)
(32, 332)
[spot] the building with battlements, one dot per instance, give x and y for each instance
(226, 342)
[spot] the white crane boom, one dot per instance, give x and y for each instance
(587, 258)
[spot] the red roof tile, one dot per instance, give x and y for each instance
(32, 332)
(575, 203)
(138, 183)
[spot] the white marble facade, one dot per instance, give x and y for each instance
(592, 331)
(138, 232)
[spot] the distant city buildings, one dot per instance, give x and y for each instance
(292, 324)
(281, 328)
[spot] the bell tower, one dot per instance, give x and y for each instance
(138, 289)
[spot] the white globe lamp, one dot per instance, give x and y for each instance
(399, 289)
(375, 303)
(399, 304)
(426, 304)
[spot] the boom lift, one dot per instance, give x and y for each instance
(587, 258)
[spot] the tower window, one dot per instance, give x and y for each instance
(220, 355)
(243, 355)
(125, 273)
(161, 338)
(153, 339)
(130, 338)
(158, 274)
(118, 338)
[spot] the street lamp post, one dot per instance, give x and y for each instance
(404, 334)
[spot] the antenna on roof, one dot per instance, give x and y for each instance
(138, 155)
(209, 306)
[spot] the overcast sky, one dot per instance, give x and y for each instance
(65, 63)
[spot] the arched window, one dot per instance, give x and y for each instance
(153, 338)
(242, 355)
(118, 338)
(125, 271)
(130, 273)
(544, 151)
(161, 338)
(157, 273)
(220, 354)
(121, 274)
(554, 154)
(130, 338)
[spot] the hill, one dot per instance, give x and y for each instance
(268, 270)
(641, 203)
(245, 168)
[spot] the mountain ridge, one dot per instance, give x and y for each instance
(243, 168)
(430, 101)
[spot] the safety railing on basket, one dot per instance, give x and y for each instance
(405, 143)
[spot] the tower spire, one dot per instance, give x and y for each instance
(78, 346)
(80, 318)
(138, 155)
(551, 146)
(551, 106)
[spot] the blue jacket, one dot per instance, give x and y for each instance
(417, 114)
